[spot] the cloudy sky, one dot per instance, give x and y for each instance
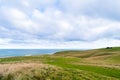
(59, 23)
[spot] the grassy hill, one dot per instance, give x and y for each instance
(90, 53)
(97, 64)
(96, 54)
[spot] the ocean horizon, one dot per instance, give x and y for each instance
(28, 52)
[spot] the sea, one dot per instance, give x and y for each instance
(27, 52)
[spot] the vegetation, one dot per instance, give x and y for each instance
(98, 64)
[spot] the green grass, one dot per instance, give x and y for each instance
(69, 65)
(100, 54)
(53, 73)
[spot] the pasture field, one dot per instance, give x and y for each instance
(97, 64)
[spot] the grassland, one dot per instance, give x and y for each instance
(98, 64)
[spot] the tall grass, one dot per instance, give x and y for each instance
(63, 68)
(46, 72)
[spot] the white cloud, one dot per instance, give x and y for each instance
(61, 22)
(43, 44)
(77, 6)
(4, 41)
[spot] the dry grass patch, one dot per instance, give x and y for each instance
(10, 68)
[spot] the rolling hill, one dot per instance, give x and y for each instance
(97, 64)
(95, 54)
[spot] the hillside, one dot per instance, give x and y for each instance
(95, 54)
(97, 64)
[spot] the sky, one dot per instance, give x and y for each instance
(66, 24)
